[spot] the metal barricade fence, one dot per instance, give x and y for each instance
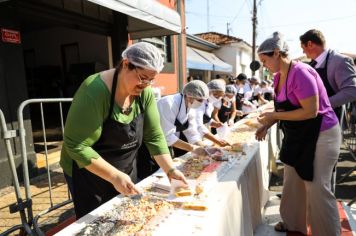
(22, 133)
(20, 204)
(349, 138)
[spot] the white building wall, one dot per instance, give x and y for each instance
(227, 53)
(245, 60)
(236, 55)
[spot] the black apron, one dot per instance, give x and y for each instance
(118, 145)
(323, 73)
(224, 112)
(176, 152)
(254, 97)
(267, 96)
(239, 97)
(146, 164)
(300, 138)
(206, 118)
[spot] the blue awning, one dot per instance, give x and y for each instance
(195, 61)
(202, 60)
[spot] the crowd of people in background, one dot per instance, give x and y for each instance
(249, 93)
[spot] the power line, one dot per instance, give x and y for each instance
(250, 2)
(308, 22)
(263, 15)
(238, 12)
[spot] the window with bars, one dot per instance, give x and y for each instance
(165, 45)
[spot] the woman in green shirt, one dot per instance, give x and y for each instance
(112, 113)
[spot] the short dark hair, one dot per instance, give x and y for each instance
(269, 54)
(130, 66)
(313, 35)
(241, 77)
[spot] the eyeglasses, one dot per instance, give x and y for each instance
(146, 81)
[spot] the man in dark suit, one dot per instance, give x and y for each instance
(336, 70)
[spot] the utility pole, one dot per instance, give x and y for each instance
(227, 28)
(207, 15)
(254, 24)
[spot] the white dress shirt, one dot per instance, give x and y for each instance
(207, 109)
(257, 90)
(321, 58)
(247, 87)
(168, 108)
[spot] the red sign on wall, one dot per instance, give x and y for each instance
(10, 36)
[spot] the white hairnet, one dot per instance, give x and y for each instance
(216, 85)
(196, 89)
(144, 55)
(230, 89)
(255, 80)
(275, 42)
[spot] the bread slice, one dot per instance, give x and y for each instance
(237, 147)
(194, 206)
(181, 192)
(199, 189)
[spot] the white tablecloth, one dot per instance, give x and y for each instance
(235, 203)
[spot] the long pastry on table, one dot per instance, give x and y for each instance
(182, 192)
(196, 206)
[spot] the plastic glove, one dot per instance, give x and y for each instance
(223, 143)
(239, 113)
(199, 151)
(215, 153)
(230, 122)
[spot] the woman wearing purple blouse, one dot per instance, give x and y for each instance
(310, 147)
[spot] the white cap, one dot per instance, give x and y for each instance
(144, 55)
(230, 89)
(272, 43)
(196, 89)
(216, 85)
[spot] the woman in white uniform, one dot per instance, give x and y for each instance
(177, 118)
(203, 114)
(225, 110)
